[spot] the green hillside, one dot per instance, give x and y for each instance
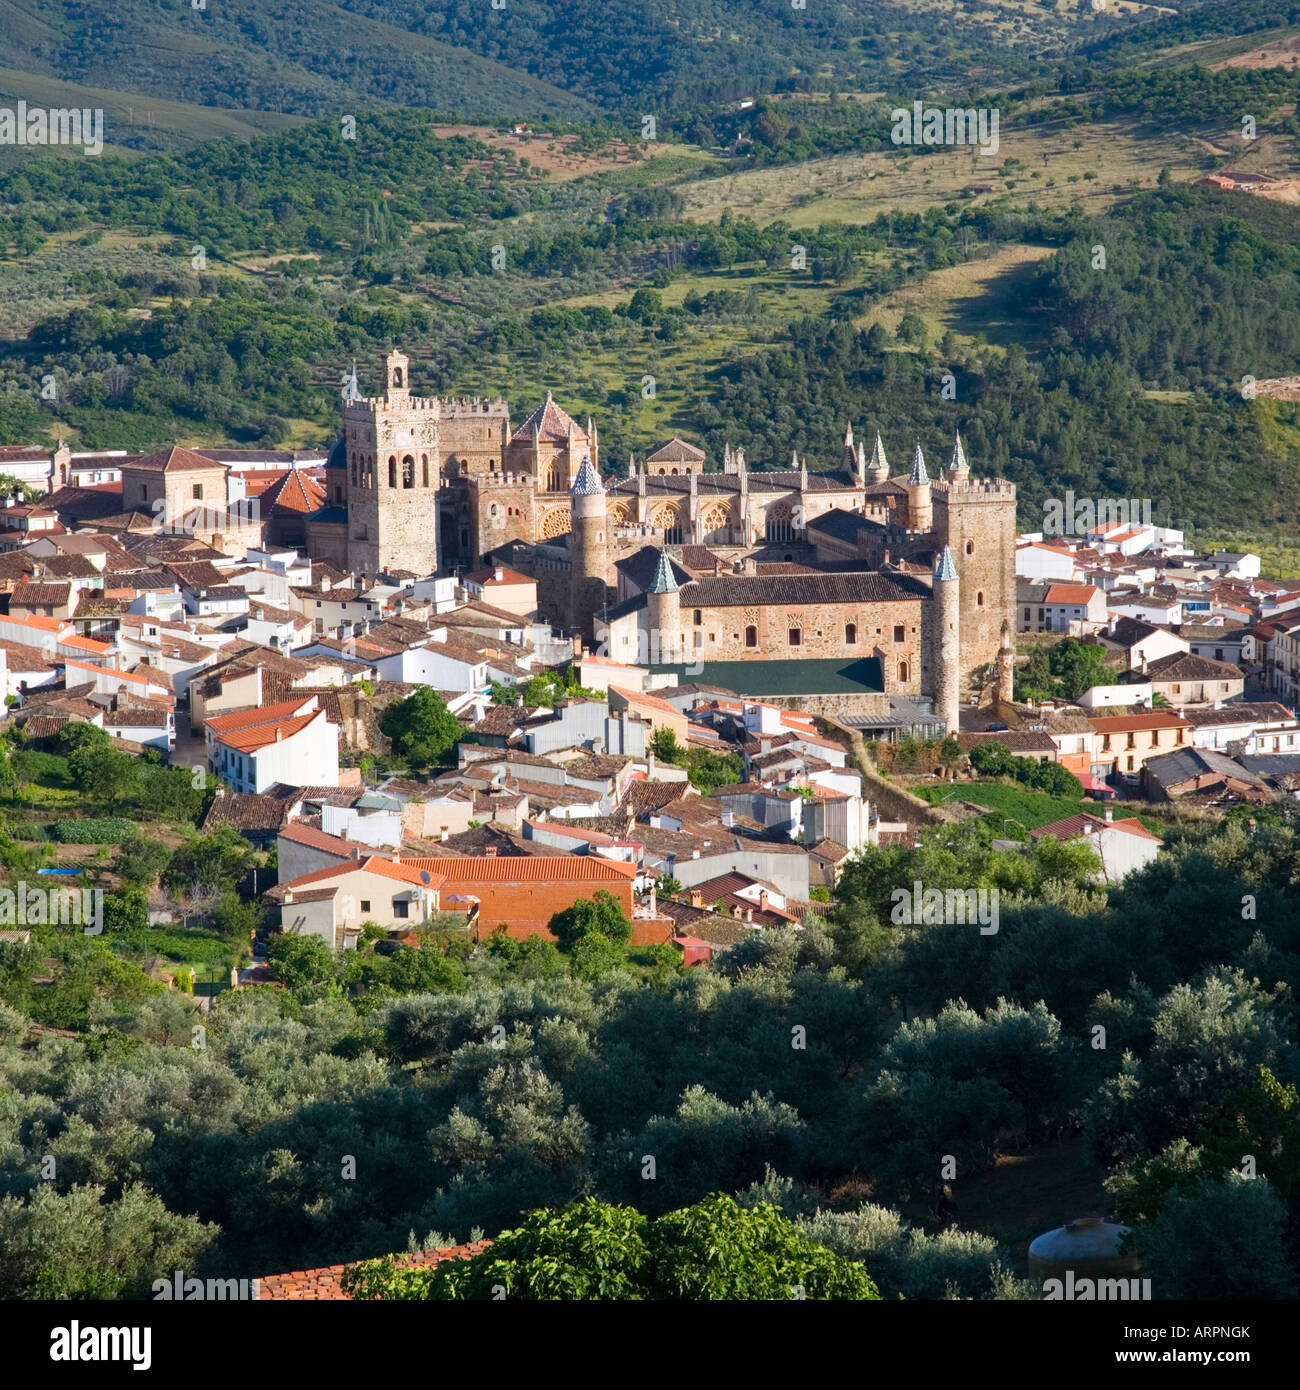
(308, 58)
(527, 58)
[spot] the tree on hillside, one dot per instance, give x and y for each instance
(423, 730)
(599, 915)
(81, 1244)
(140, 861)
(103, 772)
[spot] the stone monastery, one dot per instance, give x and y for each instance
(676, 566)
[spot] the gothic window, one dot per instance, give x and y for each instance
(796, 637)
(392, 471)
(667, 520)
(970, 547)
(408, 471)
(554, 479)
(751, 637)
(424, 470)
(397, 376)
(494, 510)
(779, 524)
(902, 672)
(717, 526)
(850, 634)
(979, 599)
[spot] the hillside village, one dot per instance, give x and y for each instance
(773, 816)
(709, 810)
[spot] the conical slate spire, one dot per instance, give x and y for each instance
(587, 483)
(879, 463)
(958, 464)
(351, 388)
(944, 568)
(918, 474)
(664, 581)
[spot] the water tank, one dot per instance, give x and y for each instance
(1088, 1246)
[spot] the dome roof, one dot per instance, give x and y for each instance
(1087, 1239)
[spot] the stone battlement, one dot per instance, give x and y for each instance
(448, 407)
(973, 489)
(475, 405)
(502, 480)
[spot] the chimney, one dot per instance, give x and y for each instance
(397, 856)
(498, 575)
(654, 899)
(1087, 828)
(697, 898)
(728, 817)
(1109, 814)
(577, 646)
(650, 767)
(490, 851)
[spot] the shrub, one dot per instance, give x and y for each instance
(94, 830)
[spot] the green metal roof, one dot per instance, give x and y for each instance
(816, 676)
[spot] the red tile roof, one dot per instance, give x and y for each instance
(293, 491)
(174, 458)
(403, 871)
(1071, 593)
(537, 868)
(315, 838)
(1074, 826)
(326, 1283)
(264, 735)
(1121, 723)
(248, 718)
(548, 422)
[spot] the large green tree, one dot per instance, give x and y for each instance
(423, 730)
